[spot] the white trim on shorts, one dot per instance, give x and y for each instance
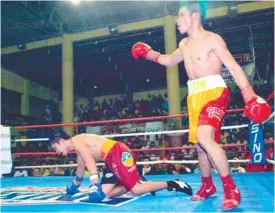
(205, 83)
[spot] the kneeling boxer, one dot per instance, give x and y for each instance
(118, 158)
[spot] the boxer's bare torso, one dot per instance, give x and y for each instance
(199, 56)
(91, 142)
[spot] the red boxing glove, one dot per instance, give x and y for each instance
(257, 109)
(145, 51)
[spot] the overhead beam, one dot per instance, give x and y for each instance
(139, 25)
(32, 45)
(90, 34)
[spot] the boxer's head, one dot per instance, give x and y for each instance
(61, 142)
(190, 13)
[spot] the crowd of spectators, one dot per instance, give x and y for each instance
(111, 109)
(234, 136)
(125, 108)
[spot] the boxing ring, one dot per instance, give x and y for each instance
(47, 193)
(47, 196)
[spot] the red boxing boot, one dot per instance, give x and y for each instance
(232, 195)
(208, 188)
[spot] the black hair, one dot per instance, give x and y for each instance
(196, 7)
(57, 135)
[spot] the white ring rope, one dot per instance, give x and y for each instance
(270, 161)
(139, 133)
(138, 163)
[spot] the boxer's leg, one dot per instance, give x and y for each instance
(205, 136)
(204, 163)
(207, 188)
(109, 184)
(112, 190)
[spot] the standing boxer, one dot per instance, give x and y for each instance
(203, 53)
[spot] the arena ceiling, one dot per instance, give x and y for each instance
(106, 62)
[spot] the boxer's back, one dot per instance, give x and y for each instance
(92, 142)
(199, 60)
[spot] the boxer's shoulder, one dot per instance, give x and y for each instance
(183, 41)
(216, 39)
(78, 137)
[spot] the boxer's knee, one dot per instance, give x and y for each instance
(199, 149)
(136, 189)
(205, 135)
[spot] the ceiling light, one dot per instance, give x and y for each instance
(75, 1)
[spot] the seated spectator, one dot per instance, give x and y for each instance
(180, 168)
(36, 172)
(224, 137)
(44, 172)
(52, 171)
(161, 170)
(145, 144)
(131, 142)
(148, 169)
(237, 168)
(196, 169)
(148, 141)
(234, 134)
(153, 145)
(70, 171)
(164, 169)
(59, 171)
(241, 140)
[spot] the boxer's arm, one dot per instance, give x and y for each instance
(88, 160)
(142, 50)
(170, 60)
(80, 167)
(82, 151)
(175, 58)
(221, 51)
(73, 186)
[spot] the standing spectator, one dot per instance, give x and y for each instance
(148, 141)
(157, 140)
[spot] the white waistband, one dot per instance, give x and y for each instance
(205, 83)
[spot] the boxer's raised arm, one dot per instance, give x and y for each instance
(142, 50)
(170, 60)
